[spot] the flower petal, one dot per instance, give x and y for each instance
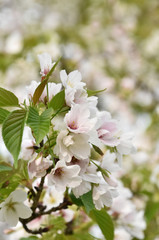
(23, 211)
(11, 217)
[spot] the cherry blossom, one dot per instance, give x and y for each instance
(37, 167)
(63, 176)
(77, 119)
(13, 208)
(70, 144)
(45, 63)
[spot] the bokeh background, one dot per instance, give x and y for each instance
(115, 45)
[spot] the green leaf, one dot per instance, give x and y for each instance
(12, 132)
(57, 101)
(39, 90)
(98, 150)
(81, 236)
(30, 238)
(75, 200)
(39, 123)
(10, 179)
(92, 93)
(7, 98)
(3, 114)
(4, 168)
(151, 210)
(52, 69)
(105, 223)
(88, 201)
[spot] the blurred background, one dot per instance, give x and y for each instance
(115, 45)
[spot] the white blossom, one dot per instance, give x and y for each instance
(109, 164)
(77, 119)
(37, 167)
(45, 63)
(125, 146)
(75, 96)
(52, 197)
(70, 144)
(107, 129)
(13, 208)
(103, 195)
(72, 80)
(27, 149)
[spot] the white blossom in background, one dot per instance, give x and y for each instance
(13, 208)
(122, 234)
(52, 197)
(126, 213)
(125, 147)
(135, 224)
(45, 63)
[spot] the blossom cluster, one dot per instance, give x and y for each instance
(81, 128)
(83, 148)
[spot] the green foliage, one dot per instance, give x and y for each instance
(39, 123)
(38, 91)
(11, 178)
(81, 236)
(92, 93)
(3, 114)
(58, 101)
(105, 223)
(7, 98)
(88, 201)
(4, 168)
(12, 132)
(57, 224)
(151, 210)
(75, 200)
(30, 238)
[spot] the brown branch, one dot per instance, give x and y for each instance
(41, 209)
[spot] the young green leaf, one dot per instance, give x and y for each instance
(38, 91)
(7, 98)
(105, 223)
(88, 201)
(92, 93)
(4, 168)
(39, 123)
(98, 150)
(3, 114)
(57, 101)
(12, 132)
